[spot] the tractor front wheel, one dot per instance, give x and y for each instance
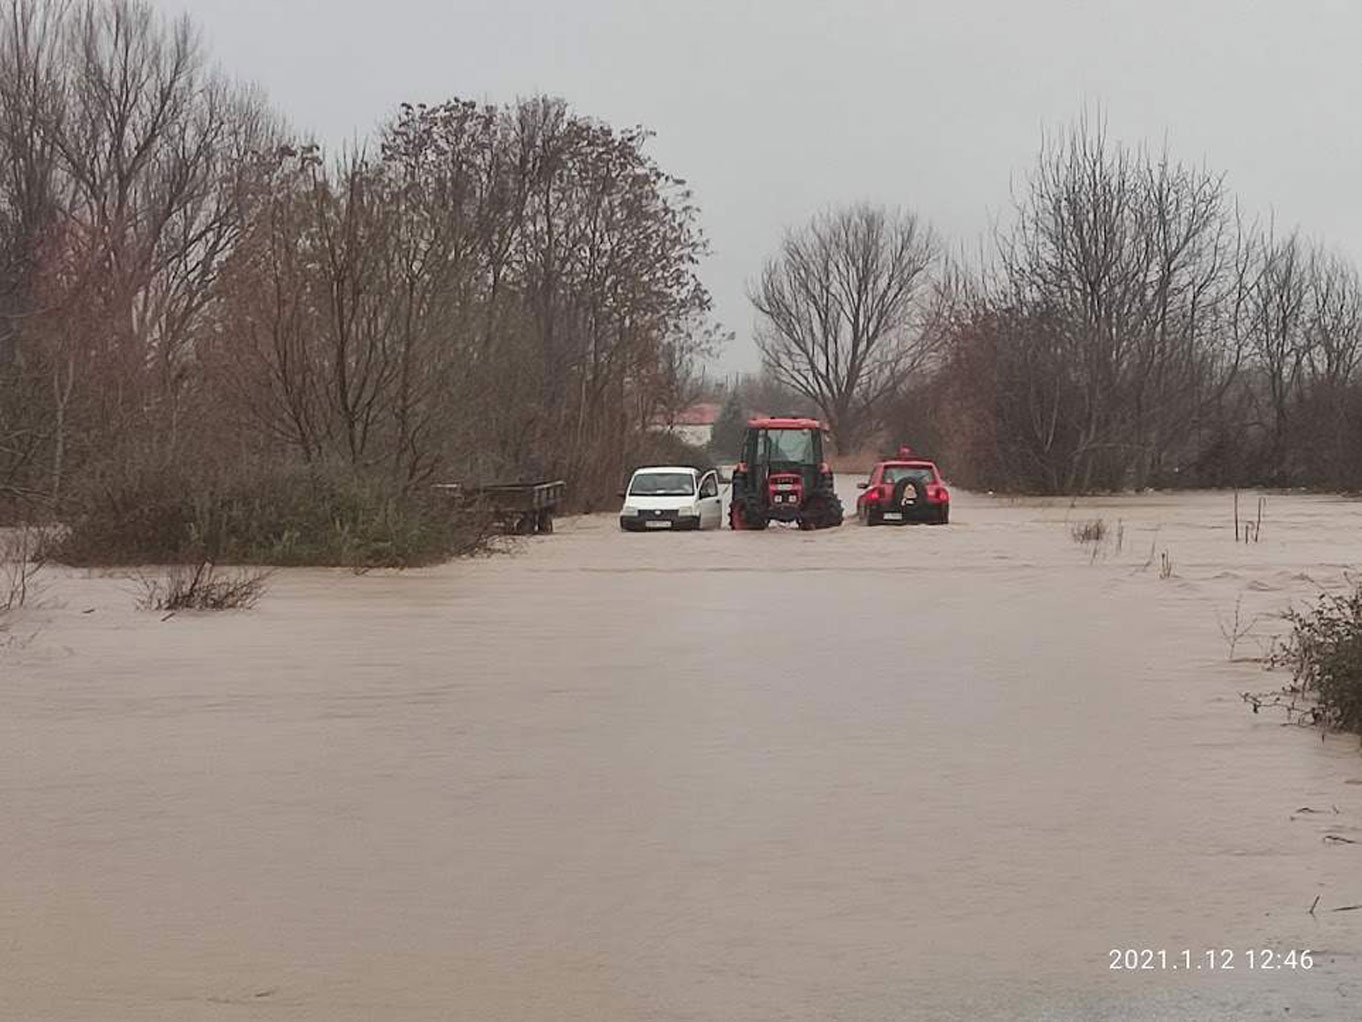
(740, 520)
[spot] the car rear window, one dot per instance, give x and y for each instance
(662, 484)
(917, 474)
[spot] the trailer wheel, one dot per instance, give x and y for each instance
(545, 523)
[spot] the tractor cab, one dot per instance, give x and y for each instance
(783, 477)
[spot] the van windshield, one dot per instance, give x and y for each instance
(662, 484)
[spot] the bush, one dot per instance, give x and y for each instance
(200, 587)
(1324, 652)
(274, 515)
(21, 559)
(1093, 531)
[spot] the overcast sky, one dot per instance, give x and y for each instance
(772, 109)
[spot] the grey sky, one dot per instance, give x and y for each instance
(774, 108)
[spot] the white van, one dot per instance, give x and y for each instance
(671, 497)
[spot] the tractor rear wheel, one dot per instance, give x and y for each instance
(822, 511)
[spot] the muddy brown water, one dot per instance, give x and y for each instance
(867, 774)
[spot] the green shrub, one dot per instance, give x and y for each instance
(1324, 652)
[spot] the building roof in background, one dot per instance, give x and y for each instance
(703, 414)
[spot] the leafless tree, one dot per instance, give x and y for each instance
(29, 207)
(509, 289)
(841, 310)
(1105, 315)
(119, 149)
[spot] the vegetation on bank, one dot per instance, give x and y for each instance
(282, 515)
(202, 586)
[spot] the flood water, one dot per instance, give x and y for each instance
(865, 774)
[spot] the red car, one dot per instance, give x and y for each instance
(904, 490)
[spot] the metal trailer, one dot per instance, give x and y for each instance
(519, 508)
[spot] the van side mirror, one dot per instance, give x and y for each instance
(623, 494)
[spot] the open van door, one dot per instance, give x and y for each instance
(711, 504)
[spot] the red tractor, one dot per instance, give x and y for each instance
(783, 478)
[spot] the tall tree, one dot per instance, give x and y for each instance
(842, 313)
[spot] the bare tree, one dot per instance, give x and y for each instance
(842, 318)
(1107, 313)
(122, 149)
(510, 289)
(30, 205)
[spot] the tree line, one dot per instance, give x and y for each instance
(1130, 326)
(196, 299)
(210, 327)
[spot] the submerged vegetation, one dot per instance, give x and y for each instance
(22, 553)
(202, 587)
(1092, 531)
(21, 562)
(1323, 651)
(284, 515)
